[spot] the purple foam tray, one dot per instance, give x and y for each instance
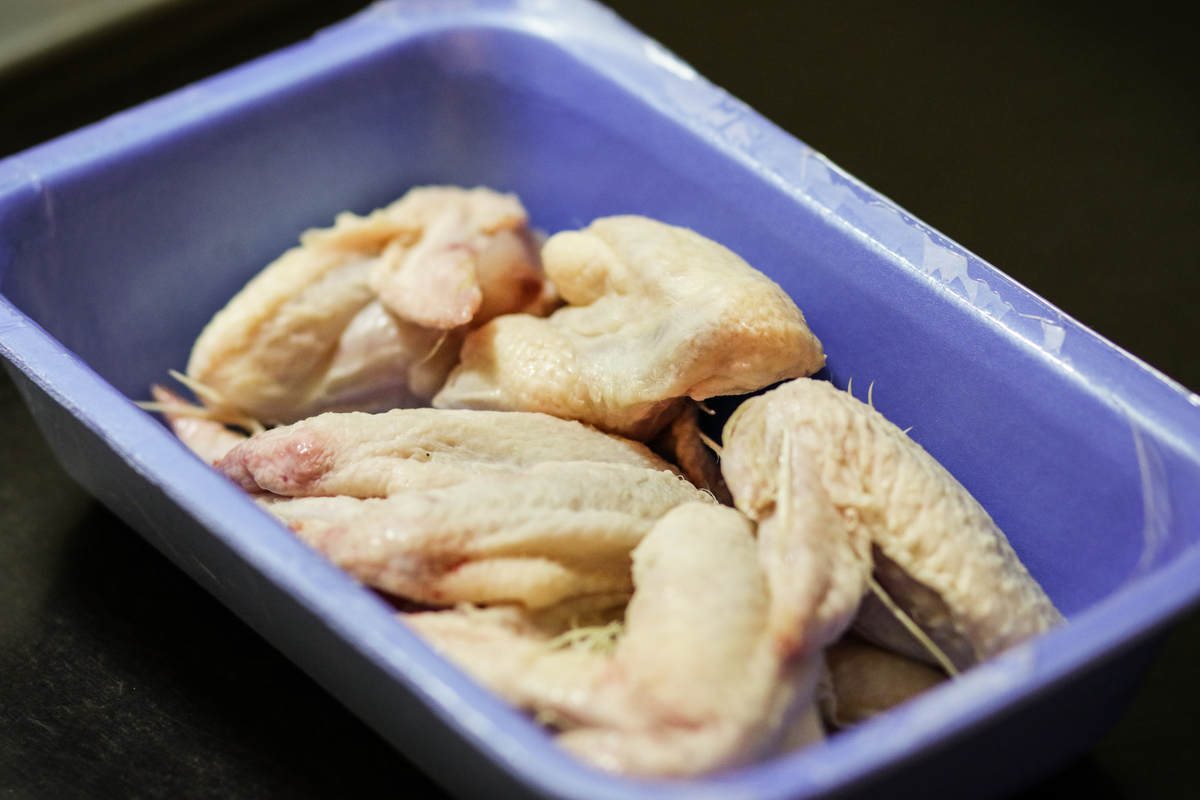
(119, 241)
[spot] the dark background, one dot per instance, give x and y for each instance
(1058, 140)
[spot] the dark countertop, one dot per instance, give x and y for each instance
(1057, 140)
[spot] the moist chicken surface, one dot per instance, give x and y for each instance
(472, 258)
(369, 314)
(702, 678)
(375, 455)
(557, 530)
(519, 508)
(943, 558)
(511, 651)
(655, 313)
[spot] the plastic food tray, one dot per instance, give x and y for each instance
(118, 242)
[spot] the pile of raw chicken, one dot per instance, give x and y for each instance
(501, 435)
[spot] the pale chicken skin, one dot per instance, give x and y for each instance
(527, 509)
(943, 561)
(370, 314)
(708, 674)
(474, 258)
(512, 651)
(556, 531)
(376, 455)
(705, 678)
(655, 313)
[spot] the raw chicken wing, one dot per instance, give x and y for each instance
(931, 546)
(706, 676)
(655, 313)
(375, 455)
(556, 531)
(368, 315)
